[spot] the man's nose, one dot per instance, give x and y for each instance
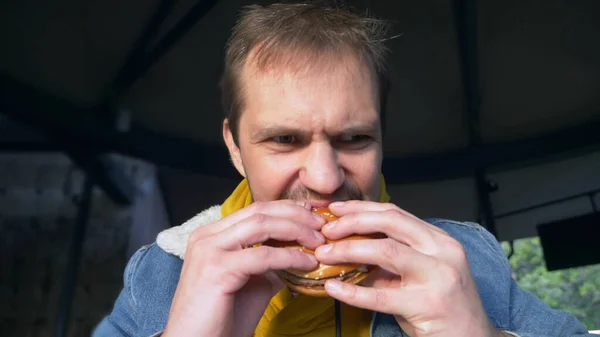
(322, 171)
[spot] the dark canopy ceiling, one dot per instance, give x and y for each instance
(532, 69)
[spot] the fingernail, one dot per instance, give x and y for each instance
(301, 203)
(318, 217)
(312, 258)
(325, 249)
(318, 235)
(336, 204)
(333, 286)
(330, 225)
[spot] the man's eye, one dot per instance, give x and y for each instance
(354, 142)
(285, 139)
(354, 138)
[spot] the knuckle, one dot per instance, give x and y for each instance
(452, 278)
(455, 249)
(258, 219)
(195, 236)
(295, 254)
(392, 207)
(388, 249)
(393, 211)
(198, 234)
(190, 250)
(438, 229)
(209, 257)
(381, 297)
(195, 248)
(258, 207)
(432, 301)
(264, 253)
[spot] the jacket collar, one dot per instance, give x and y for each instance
(174, 240)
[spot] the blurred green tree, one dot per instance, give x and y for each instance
(576, 290)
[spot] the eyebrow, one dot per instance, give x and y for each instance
(359, 129)
(270, 131)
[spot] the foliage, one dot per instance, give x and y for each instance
(576, 290)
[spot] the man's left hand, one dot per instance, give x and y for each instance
(425, 280)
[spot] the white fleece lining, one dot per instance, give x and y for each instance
(174, 240)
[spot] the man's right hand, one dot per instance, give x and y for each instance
(224, 286)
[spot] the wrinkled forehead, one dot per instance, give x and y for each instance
(342, 64)
(298, 77)
(331, 96)
(305, 86)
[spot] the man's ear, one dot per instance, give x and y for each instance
(234, 150)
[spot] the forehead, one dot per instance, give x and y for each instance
(331, 89)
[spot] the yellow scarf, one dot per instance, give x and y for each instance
(303, 315)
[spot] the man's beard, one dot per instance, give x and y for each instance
(348, 191)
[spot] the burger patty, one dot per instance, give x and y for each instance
(294, 279)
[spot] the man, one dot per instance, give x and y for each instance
(303, 90)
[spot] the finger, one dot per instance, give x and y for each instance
(297, 210)
(259, 228)
(341, 208)
(390, 255)
(384, 300)
(391, 222)
(259, 260)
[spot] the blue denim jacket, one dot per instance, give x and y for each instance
(152, 274)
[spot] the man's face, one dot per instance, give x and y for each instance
(311, 135)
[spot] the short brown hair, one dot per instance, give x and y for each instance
(283, 30)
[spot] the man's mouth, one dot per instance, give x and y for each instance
(319, 203)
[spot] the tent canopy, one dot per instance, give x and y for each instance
(477, 89)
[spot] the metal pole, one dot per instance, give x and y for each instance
(594, 206)
(147, 60)
(466, 19)
(70, 282)
(126, 76)
(485, 203)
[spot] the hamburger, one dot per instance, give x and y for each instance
(312, 282)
